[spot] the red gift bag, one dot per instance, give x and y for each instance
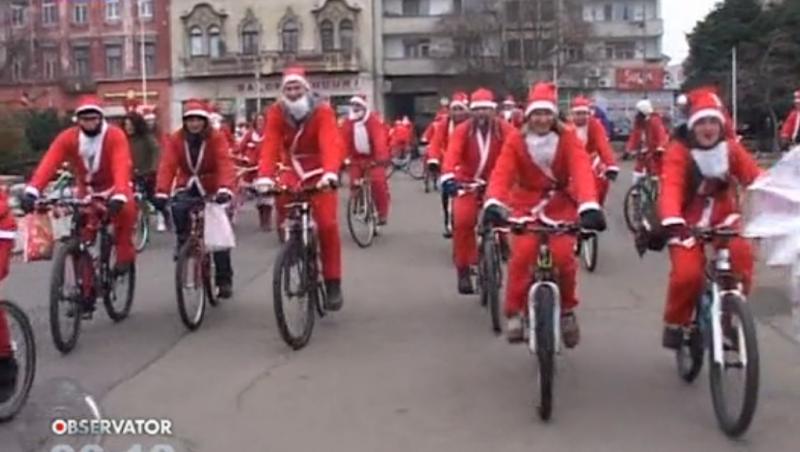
(37, 236)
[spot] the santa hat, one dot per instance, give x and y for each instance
(510, 102)
(89, 103)
(460, 99)
(542, 96)
(704, 103)
(645, 107)
(482, 98)
(295, 74)
(359, 99)
(581, 104)
(194, 107)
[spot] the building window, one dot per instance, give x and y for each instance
(346, 34)
(80, 59)
(608, 12)
(529, 51)
(18, 14)
(512, 11)
(112, 10)
(326, 35)
(17, 69)
(416, 7)
(113, 60)
(196, 42)
(49, 12)
(50, 65)
(457, 7)
(149, 57)
(214, 42)
(145, 9)
(513, 52)
(573, 53)
(620, 50)
(250, 37)
(417, 48)
(289, 36)
(80, 12)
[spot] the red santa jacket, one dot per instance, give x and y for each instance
(108, 173)
(439, 140)
(791, 127)
(400, 136)
(469, 156)
(699, 187)
(8, 225)
(593, 136)
(427, 135)
(548, 177)
(250, 147)
(311, 148)
(212, 172)
(515, 117)
(649, 135)
(372, 144)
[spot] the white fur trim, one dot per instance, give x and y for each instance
(119, 197)
(7, 235)
(359, 101)
(432, 161)
(90, 107)
(198, 112)
(669, 221)
(482, 104)
(295, 78)
(613, 169)
(705, 113)
(31, 190)
(446, 177)
(330, 177)
(162, 196)
(541, 105)
(225, 190)
(581, 109)
(588, 206)
(494, 202)
(458, 103)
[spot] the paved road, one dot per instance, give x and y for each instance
(408, 364)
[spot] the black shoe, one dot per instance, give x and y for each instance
(383, 222)
(448, 234)
(121, 269)
(465, 283)
(224, 290)
(8, 378)
(672, 338)
(333, 295)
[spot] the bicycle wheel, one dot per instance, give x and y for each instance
(416, 168)
(294, 295)
(589, 252)
(118, 290)
(544, 304)
(210, 279)
(494, 278)
(23, 348)
(689, 357)
(191, 284)
(68, 283)
(142, 232)
(427, 181)
(632, 208)
(740, 354)
(361, 217)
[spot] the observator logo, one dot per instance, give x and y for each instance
(135, 426)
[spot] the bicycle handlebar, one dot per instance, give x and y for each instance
(710, 233)
(532, 225)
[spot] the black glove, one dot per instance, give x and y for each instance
(678, 231)
(160, 203)
(612, 174)
(28, 202)
(115, 206)
(433, 167)
(450, 187)
(593, 220)
(496, 214)
(223, 197)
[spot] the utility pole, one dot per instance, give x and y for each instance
(734, 81)
(142, 60)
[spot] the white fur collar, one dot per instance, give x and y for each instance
(542, 150)
(714, 162)
(91, 148)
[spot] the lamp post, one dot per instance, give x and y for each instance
(142, 61)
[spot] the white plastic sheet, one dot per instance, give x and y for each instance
(773, 204)
(218, 232)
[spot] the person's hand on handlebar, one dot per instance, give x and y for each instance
(115, 206)
(28, 202)
(264, 185)
(592, 220)
(328, 181)
(223, 197)
(496, 214)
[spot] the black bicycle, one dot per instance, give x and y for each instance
(83, 272)
(586, 250)
(297, 285)
(724, 325)
(409, 162)
(194, 269)
(144, 210)
(430, 179)
(23, 349)
(490, 270)
(362, 214)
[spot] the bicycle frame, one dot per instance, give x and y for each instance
(545, 275)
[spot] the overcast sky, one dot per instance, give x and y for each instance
(680, 17)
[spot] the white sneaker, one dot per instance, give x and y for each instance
(161, 225)
(515, 329)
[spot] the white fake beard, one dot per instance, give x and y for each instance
(299, 108)
(713, 163)
(354, 115)
(542, 149)
(507, 115)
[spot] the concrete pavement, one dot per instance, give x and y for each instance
(408, 364)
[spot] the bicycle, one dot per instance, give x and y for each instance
(586, 248)
(194, 269)
(430, 179)
(85, 255)
(361, 209)
(23, 348)
(641, 198)
(490, 270)
(297, 269)
(244, 190)
(144, 210)
(542, 322)
(724, 325)
(409, 162)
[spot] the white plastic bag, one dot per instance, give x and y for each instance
(217, 228)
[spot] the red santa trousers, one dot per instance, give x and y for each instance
(124, 224)
(466, 208)
(380, 186)
(6, 247)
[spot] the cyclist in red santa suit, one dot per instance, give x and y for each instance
(248, 155)
(98, 154)
(511, 112)
(365, 140)
(304, 138)
(471, 154)
(8, 364)
(593, 136)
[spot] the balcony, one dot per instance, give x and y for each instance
(271, 63)
(78, 85)
(408, 25)
(620, 29)
(419, 66)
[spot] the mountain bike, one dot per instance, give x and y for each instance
(23, 349)
(724, 325)
(490, 270)
(408, 161)
(586, 250)
(362, 214)
(144, 210)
